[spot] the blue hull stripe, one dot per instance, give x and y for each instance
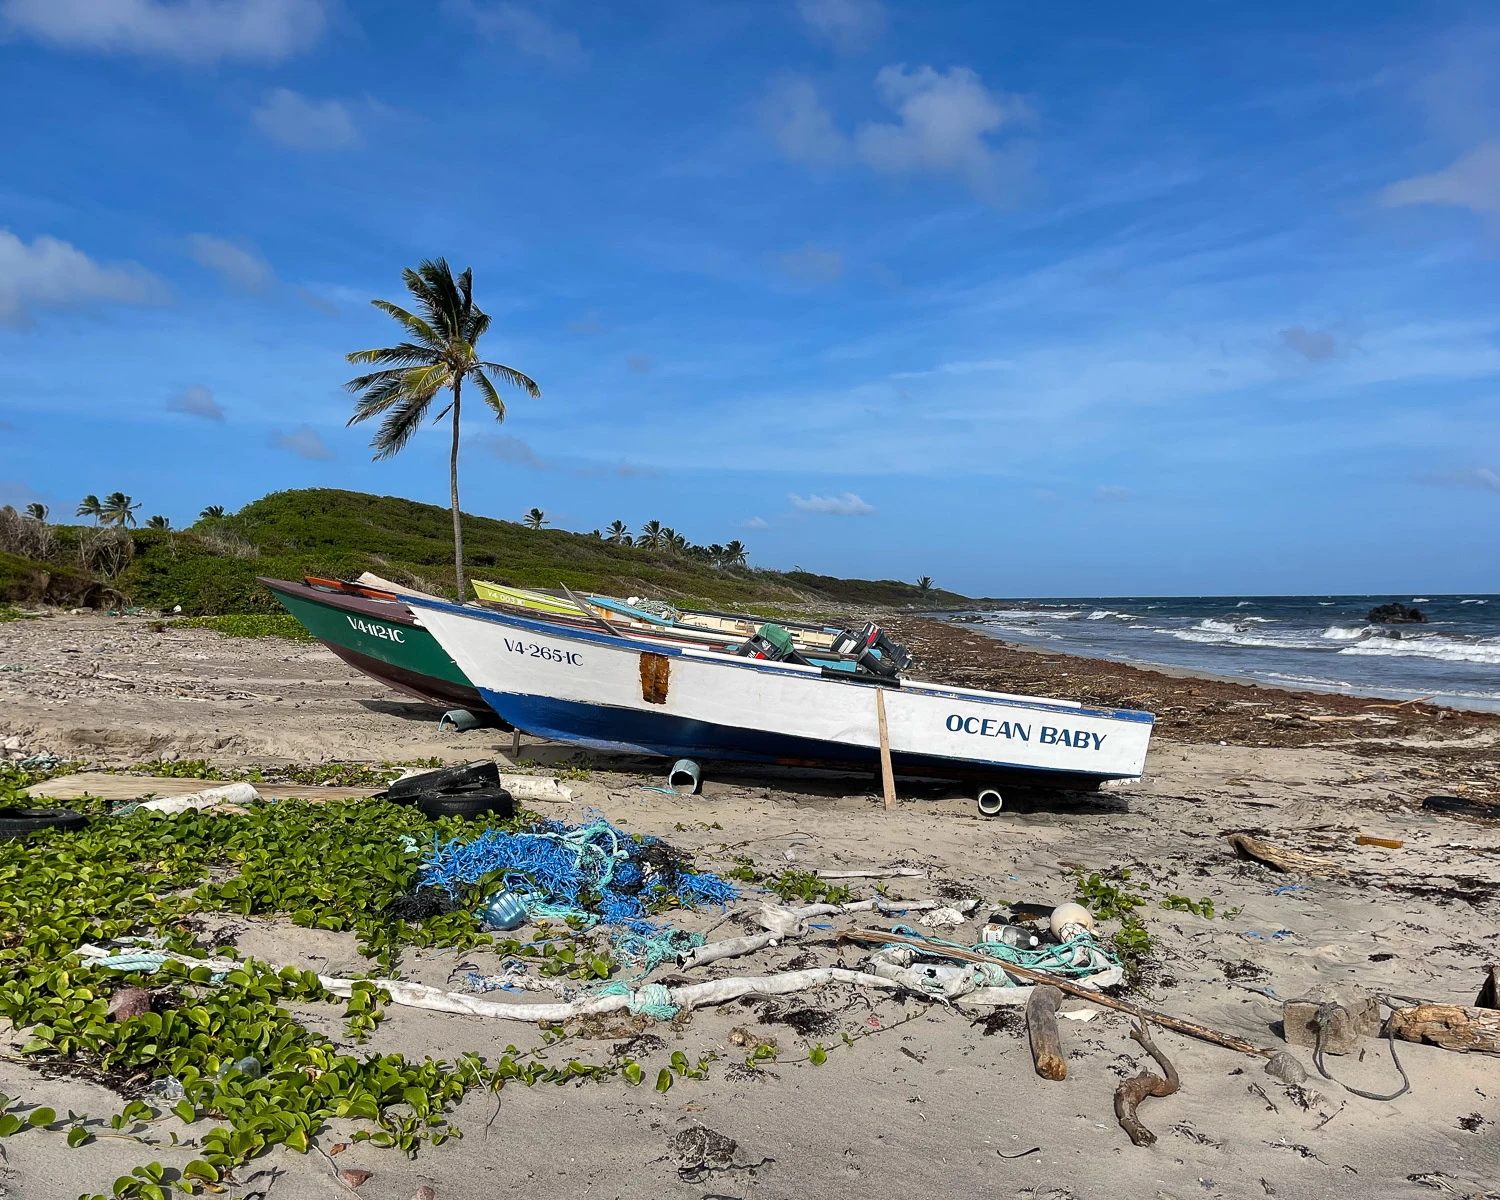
(604, 727)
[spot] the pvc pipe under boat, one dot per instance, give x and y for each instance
(685, 774)
(990, 802)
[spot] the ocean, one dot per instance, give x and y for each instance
(1317, 643)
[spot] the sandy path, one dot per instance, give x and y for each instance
(924, 1108)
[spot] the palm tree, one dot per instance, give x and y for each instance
(158, 522)
(535, 519)
(734, 554)
(924, 585)
(649, 537)
(441, 354)
(38, 512)
(618, 533)
(214, 512)
(118, 509)
(715, 554)
(90, 507)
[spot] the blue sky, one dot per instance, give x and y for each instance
(1038, 300)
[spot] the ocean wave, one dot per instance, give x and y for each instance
(1244, 604)
(1444, 649)
(1421, 600)
(1100, 614)
(1473, 601)
(1345, 633)
(1212, 632)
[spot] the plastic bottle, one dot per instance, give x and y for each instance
(1011, 935)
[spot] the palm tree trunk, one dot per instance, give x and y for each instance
(458, 529)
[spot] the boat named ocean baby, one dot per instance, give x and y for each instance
(616, 691)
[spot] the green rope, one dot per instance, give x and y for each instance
(653, 1000)
(1076, 957)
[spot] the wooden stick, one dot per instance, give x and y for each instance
(589, 612)
(1451, 1026)
(1041, 1027)
(887, 776)
(1190, 1028)
(1129, 1095)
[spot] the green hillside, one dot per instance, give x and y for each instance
(211, 568)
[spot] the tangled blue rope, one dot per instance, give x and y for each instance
(593, 872)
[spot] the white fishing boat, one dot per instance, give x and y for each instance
(621, 692)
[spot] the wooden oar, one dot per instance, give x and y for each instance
(587, 611)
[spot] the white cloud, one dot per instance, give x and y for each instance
(526, 30)
(799, 124)
(1473, 182)
(513, 450)
(197, 401)
(1315, 345)
(240, 266)
(812, 265)
(50, 273)
(1113, 493)
(847, 505)
(848, 25)
(945, 119)
(303, 441)
(294, 120)
(1483, 478)
(946, 122)
(193, 31)
(755, 524)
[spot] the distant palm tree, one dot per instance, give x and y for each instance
(90, 507)
(214, 512)
(118, 509)
(670, 540)
(38, 512)
(734, 554)
(924, 585)
(618, 533)
(715, 553)
(440, 355)
(158, 522)
(535, 519)
(649, 537)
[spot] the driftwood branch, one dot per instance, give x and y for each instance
(1451, 1026)
(1041, 1026)
(1130, 1093)
(1283, 858)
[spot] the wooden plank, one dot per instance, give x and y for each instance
(887, 776)
(133, 787)
(1041, 1028)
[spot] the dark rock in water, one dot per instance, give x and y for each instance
(1396, 614)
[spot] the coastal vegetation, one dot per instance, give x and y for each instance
(210, 568)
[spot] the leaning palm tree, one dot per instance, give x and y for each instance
(734, 554)
(118, 509)
(214, 512)
(37, 512)
(618, 533)
(650, 535)
(440, 355)
(90, 507)
(158, 522)
(535, 519)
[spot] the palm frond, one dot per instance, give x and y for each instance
(445, 298)
(381, 394)
(406, 353)
(429, 302)
(513, 377)
(476, 326)
(421, 330)
(399, 425)
(488, 392)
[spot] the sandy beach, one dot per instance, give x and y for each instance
(936, 1099)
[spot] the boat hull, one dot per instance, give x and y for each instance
(622, 693)
(381, 639)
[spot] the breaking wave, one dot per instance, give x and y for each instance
(1435, 646)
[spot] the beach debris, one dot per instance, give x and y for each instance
(942, 918)
(445, 779)
(685, 778)
(1009, 935)
(424, 902)
(1459, 807)
(129, 1002)
(1130, 1094)
(990, 802)
(1081, 990)
(1286, 1067)
(701, 956)
(1451, 1026)
(231, 797)
(16, 821)
(1366, 839)
(1068, 920)
(1283, 858)
(461, 720)
(501, 912)
(875, 873)
(700, 1151)
(1331, 1019)
(1041, 1028)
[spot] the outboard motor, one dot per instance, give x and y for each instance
(873, 651)
(772, 643)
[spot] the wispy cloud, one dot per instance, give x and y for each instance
(239, 265)
(848, 25)
(946, 125)
(304, 442)
(292, 119)
(525, 30)
(847, 505)
(1473, 182)
(514, 450)
(755, 524)
(197, 401)
(518, 452)
(1486, 479)
(49, 273)
(200, 32)
(1111, 493)
(812, 265)
(1315, 345)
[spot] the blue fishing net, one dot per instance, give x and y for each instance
(594, 872)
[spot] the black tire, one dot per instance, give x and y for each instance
(471, 804)
(449, 779)
(21, 822)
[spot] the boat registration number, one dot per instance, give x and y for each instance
(547, 653)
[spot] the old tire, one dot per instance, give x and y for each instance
(478, 802)
(448, 779)
(21, 822)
